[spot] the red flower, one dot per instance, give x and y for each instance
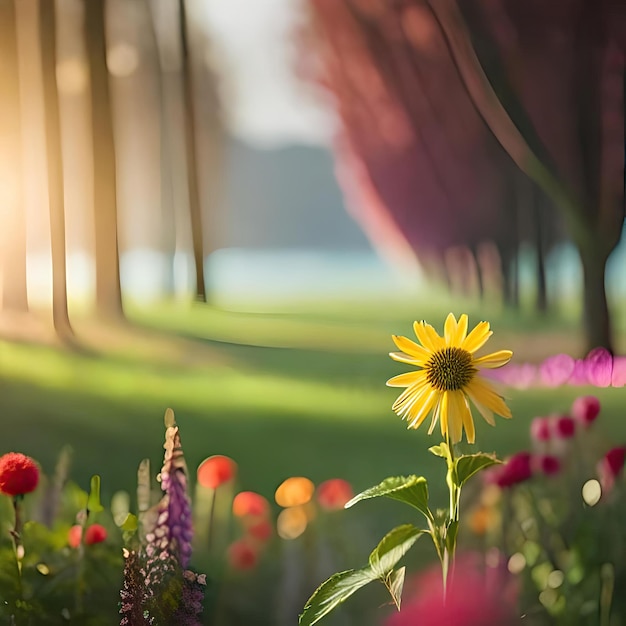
(585, 410)
(242, 555)
(19, 474)
(260, 530)
(216, 470)
(334, 493)
(96, 533)
(249, 503)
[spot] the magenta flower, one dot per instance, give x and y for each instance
(556, 370)
(517, 469)
(547, 464)
(563, 427)
(585, 410)
(599, 365)
(610, 466)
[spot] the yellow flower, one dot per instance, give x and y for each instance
(448, 378)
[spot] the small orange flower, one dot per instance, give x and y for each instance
(250, 504)
(292, 522)
(294, 491)
(334, 493)
(216, 470)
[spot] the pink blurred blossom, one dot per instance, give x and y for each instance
(599, 365)
(556, 370)
(540, 429)
(610, 466)
(517, 469)
(563, 427)
(475, 598)
(547, 464)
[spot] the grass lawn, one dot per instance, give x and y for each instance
(298, 390)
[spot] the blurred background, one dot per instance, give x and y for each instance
(227, 208)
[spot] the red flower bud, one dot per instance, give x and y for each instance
(334, 493)
(540, 429)
(19, 474)
(585, 410)
(610, 466)
(216, 470)
(74, 534)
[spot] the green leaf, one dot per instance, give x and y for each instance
(130, 523)
(93, 500)
(395, 584)
(469, 464)
(392, 547)
(332, 593)
(412, 490)
(442, 450)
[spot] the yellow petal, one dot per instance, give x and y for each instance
(405, 358)
(407, 379)
(444, 413)
(493, 360)
(449, 329)
(477, 338)
(428, 336)
(456, 407)
(418, 414)
(482, 393)
(412, 349)
(461, 331)
(409, 399)
(436, 412)
(468, 423)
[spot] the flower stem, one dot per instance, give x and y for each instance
(16, 535)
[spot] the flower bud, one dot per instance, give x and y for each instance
(585, 410)
(610, 466)
(547, 464)
(334, 493)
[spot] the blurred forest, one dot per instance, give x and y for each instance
(468, 134)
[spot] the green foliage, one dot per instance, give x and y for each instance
(93, 501)
(412, 490)
(467, 465)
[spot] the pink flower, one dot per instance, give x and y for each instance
(540, 429)
(96, 533)
(610, 466)
(618, 379)
(556, 370)
(563, 427)
(19, 474)
(472, 600)
(334, 493)
(599, 365)
(585, 410)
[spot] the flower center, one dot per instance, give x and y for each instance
(450, 369)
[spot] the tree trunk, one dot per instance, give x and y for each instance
(197, 233)
(13, 291)
(54, 158)
(541, 303)
(597, 321)
(108, 290)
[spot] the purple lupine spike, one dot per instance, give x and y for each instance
(175, 507)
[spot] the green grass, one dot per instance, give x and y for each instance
(293, 392)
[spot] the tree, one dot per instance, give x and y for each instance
(13, 290)
(108, 290)
(56, 198)
(439, 105)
